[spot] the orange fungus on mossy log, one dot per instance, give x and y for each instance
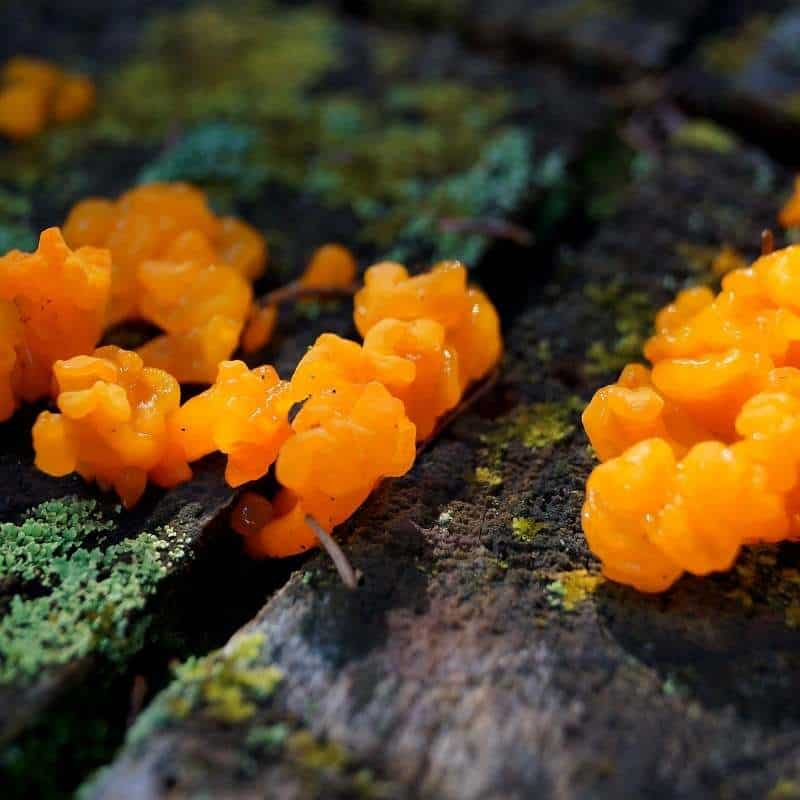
(358, 410)
(34, 92)
(347, 419)
(702, 453)
(52, 306)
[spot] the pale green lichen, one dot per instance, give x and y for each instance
(526, 530)
(77, 592)
(225, 685)
(219, 156)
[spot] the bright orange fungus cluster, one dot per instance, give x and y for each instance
(52, 306)
(113, 424)
(349, 417)
(34, 92)
(362, 407)
(177, 265)
(701, 453)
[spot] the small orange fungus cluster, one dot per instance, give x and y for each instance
(358, 410)
(112, 425)
(177, 265)
(34, 93)
(702, 452)
(52, 306)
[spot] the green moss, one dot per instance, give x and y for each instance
(785, 789)
(633, 315)
(526, 530)
(488, 477)
(535, 426)
(224, 685)
(309, 752)
(729, 53)
(77, 591)
(703, 134)
(250, 62)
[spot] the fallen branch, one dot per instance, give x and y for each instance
(767, 241)
(494, 227)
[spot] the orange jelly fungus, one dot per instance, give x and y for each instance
(201, 307)
(790, 213)
(52, 306)
(34, 92)
(244, 414)
(345, 440)
(702, 452)
(331, 267)
(470, 321)
(177, 265)
(113, 425)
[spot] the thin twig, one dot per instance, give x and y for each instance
(346, 572)
(477, 391)
(767, 241)
(494, 227)
(138, 696)
(296, 291)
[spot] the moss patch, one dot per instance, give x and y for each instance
(225, 685)
(703, 134)
(75, 591)
(526, 530)
(572, 588)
